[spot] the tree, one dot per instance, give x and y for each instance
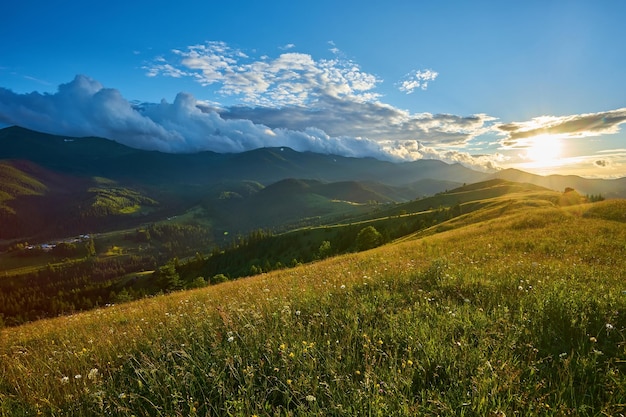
(368, 238)
(219, 278)
(199, 282)
(324, 249)
(169, 278)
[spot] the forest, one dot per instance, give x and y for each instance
(175, 257)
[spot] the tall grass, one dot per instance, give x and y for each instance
(521, 315)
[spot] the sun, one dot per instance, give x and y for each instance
(544, 150)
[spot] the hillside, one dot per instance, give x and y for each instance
(514, 308)
(615, 188)
(38, 202)
(84, 271)
(89, 185)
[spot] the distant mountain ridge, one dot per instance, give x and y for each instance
(53, 185)
(609, 188)
(96, 156)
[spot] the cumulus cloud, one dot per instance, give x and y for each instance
(295, 92)
(417, 80)
(374, 120)
(83, 107)
(290, 79)
(572, 126)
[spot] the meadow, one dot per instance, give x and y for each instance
(518, 308)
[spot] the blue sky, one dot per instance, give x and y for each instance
(534, 85)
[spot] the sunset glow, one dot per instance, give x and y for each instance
(544, 150)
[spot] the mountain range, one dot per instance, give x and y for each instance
(56, 185)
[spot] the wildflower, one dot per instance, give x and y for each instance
(65, 380)
(609, 326)
(93, 374)
(343, 287)
(409, 362)
(230, 339)
(289, 381)
(79, 376)
(593, 339)
(310, 398)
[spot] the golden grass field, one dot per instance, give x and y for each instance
(518, 308)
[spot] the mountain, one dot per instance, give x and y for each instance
(57, 185)
(101, 157)
(609, 188)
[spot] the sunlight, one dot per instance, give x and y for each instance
(544, 150)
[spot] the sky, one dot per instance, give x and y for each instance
(533, 85)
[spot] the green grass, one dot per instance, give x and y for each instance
(518, 314)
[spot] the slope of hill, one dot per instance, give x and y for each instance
(36, 201)
(100, 185)
(615, 188)
(15, 182)
(522, 314)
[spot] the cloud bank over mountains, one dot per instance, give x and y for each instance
(83, 107)
(326, 105)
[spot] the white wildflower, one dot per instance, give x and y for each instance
(93, 374)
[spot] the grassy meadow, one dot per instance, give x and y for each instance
(518, 308)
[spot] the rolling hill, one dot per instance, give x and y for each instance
(56, 186)
(516, 307)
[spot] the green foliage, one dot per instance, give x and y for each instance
(593, 198)
(218, 279)
(199, 282)
(168, 277)
(368, 238)
(325, 249)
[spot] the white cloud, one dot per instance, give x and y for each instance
(417, 79)
(290, 79)
(516, 134)
(83, 107)
(374, 120)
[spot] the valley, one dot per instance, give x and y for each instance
(272, 295)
